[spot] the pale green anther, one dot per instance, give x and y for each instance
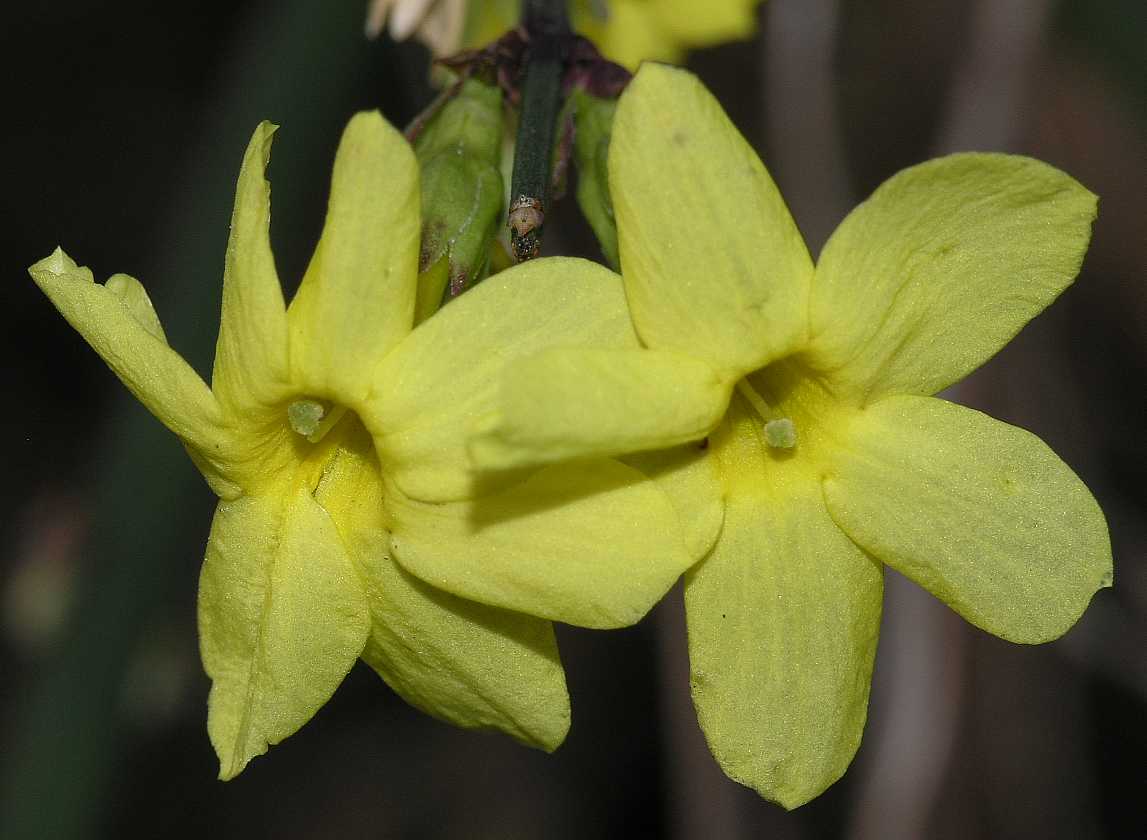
(781, 434)
(459, 152)
(313, 419)
(305, 416)
(593, 125)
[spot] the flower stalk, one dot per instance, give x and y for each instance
(547, 27)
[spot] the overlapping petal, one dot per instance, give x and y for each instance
(714, 266)
(689, 478)
(591, 543)
(356, 301)
(442, 381)
(469, 664)
(282, 618)
(783, 619)
(135, 299)
(251, 355)
(120, 324)
(981, 514)
(941, 267)
(577, 402)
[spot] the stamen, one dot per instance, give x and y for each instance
(755, 400)
(313, 419)
(305, 416)
(781, 434)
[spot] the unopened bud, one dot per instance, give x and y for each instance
(458, 149)
(593, 125)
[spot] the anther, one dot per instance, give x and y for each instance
(313, 419)
(781, 434)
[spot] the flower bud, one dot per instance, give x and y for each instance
(593, 124)
(458, 149)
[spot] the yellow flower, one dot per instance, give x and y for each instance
(814, 385)
(626, 31)
(300, 576)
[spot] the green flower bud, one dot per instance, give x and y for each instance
(593, 124)
(459, 150)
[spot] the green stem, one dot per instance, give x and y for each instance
(547, 26)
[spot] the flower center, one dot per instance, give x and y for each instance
(313, 418)
(780, 432)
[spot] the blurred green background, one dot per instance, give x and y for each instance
(127, 122)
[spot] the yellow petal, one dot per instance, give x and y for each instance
(572, 402)
(592, 543)
(722, 20)
(120, 324)
(435, 386)
(282, 618)
(357, 298)
(714, 266)
(466, 663)
(688, 476)
(630, 32)
(135, 299)
(980, 513)
(251, 354)
(783, 620)
(941, 267)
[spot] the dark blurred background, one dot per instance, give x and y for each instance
(127, 122)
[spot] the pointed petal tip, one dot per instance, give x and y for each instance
(56, 264)
(547, 740)
(551, 745)
(790, 791)
(1042, 634)
(262, 139)
(791, 799)
(231, 766)
(233, 760)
